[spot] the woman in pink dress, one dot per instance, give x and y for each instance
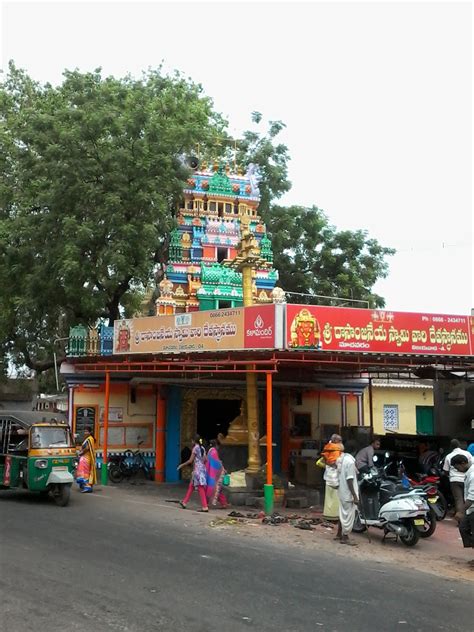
(215, 476)
(198, 478)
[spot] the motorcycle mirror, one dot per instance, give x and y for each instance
(387, 454)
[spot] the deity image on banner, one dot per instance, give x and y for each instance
(305, 331)
(123, 338)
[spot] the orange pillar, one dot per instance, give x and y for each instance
(160, 437)
(268, 488)
(103, 477)
(269, 430)
(285, 431)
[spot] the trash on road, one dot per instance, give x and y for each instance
(304, 524)
(275, 519)
(226, 522)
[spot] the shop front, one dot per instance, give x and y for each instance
(170, 377)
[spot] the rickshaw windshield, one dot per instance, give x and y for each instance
(50, 437)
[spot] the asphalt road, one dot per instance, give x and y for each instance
(112, 561)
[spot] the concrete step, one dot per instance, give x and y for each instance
(255, 501)
(239, 498)
(297, 502)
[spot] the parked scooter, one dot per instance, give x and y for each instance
(401, 484)
(382, 506)
(429, 496)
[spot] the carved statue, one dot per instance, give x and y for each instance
(278, 295)
(166, 288)
(254, 177)
(238, 430)
(194, 283)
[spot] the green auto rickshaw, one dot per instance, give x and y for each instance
(38, 456)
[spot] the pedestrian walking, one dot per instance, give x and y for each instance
(198, 478)
(466, 521)
(365, 457)
(456, 477)
(215, 476)
(348, 493)
(332, 454)
(86, 475)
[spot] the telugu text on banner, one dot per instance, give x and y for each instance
(220, 330)
(380, 331)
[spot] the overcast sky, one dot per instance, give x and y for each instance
(377, 99)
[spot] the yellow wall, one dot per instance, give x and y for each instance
(407, 400)
(325, 408)
(138, 418)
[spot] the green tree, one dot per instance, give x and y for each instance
(90, 178)
(270, 156)
(314, 258)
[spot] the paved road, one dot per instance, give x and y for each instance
(112, 561)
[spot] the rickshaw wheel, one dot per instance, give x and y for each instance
(61, 495)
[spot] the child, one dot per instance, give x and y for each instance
(332, 450)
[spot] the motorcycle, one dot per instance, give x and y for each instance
(429, 483)
(127, 465)
(435, 497)
(385, 506)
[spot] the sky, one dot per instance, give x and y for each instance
(376, 98)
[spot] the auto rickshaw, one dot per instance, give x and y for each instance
(40, 457)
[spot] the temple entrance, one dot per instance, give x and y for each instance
(215, 415)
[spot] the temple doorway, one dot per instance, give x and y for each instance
(215, 415)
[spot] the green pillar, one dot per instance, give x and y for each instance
(268, 499)
(103, 474)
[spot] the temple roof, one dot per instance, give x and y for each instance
(225, 184)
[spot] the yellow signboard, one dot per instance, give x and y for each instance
(220, 330)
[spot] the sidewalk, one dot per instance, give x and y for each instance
(442, 554)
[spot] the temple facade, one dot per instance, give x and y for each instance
(217, 207)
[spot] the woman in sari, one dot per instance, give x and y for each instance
(86, 472)
(198, 477)
(215, 475)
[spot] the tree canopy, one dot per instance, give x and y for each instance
(271, 158)
(315, 258)
(90, 178)
(91, 173)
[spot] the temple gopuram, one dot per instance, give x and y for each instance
(217, 207)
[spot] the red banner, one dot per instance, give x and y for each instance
(261, 327)
(380, 331)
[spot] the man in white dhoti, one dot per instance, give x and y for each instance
(348, 493)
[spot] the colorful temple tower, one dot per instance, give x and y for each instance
(217, 207)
